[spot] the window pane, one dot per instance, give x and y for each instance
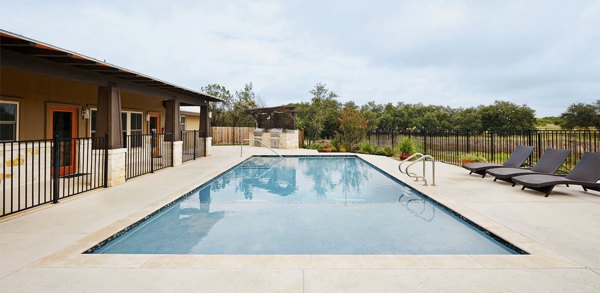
(7, 132)
(124, 121)
(8, 112)
(136, 121)
(93, 114)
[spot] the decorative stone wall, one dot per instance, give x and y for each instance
(116, 166)
(177, 153)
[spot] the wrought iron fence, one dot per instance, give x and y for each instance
(147, 153)
(194, 144)
(495, 146)
(36, 172)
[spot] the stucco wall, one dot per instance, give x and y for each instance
(37, 93)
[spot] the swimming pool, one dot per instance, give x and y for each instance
(332, 205)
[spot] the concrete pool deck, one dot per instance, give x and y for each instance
(40, 250)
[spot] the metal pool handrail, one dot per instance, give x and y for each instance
(424, 159)
(421, 157)
(254, 139)
(408, 159)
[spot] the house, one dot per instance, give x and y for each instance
(128, 121)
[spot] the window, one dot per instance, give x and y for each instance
(181, 122)
(9, 120)
(131, 123)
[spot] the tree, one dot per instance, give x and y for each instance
(580, 115)
(219, 109)
(506, 115)
(319, 117)
(352, 127)
(467, 118)
(244, 100)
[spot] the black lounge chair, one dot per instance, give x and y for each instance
(516, 159)
(586, 173)
(549, 163)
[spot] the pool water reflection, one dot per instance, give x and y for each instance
(304, 205)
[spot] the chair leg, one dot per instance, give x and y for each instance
(495, 179)
(584, 189)
(567, 185)
(483, 176)
(470, 172)
(548, 190)
(523, 188)
(513, 185)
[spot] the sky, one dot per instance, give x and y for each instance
(545, 54)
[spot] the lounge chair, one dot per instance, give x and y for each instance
(516, 159)
(586, 173)
(549, 163)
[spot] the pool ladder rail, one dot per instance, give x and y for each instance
(420, 158)
(254, 139)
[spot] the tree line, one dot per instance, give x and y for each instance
(325, 117)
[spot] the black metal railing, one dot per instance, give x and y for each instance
(496, 146)
(35, 172)
(194, 144)
(147, 153)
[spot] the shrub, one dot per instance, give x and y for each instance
(315, 146)
(388, 151)
(366, 147)
(473, 157)
(406, 146)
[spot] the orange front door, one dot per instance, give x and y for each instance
(63, 123)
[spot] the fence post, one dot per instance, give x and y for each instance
(195, 138)
(152, 142)
(425, 141)
(492, 149)
(106, 160)
(468, 141)
(56, 168)
(539, 145)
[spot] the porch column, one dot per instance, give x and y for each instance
(172, 127)
(108, 117)
(205, 127)
(108, 120)
(172, 120)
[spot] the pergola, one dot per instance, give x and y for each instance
(275, 117)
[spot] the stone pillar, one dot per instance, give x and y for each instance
(108, 118)
(208, 146)
(177, 153)
(116, 166)
(172, 120)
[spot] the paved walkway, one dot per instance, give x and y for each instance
(40, 249)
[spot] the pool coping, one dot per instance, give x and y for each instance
(538, 257)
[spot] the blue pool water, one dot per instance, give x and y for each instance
(304, 205)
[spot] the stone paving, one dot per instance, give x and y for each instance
(40, 249)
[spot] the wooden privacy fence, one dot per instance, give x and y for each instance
(224, 135)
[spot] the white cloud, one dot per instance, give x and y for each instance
(457, 53)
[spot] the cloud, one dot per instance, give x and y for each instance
(457, 53)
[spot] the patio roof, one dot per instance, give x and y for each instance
(31, 47)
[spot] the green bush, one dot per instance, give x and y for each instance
(407, 146)
(315, 146)
(366, 147)
(473, 157)
(388, 151)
